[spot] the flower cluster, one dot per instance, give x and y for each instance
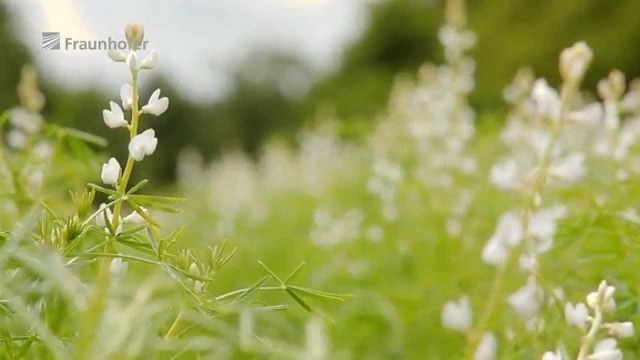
(593, 347)
(140, 144)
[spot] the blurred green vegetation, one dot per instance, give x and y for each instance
(400, 35)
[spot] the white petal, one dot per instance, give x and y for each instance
(110, 172)
(132, 61)
(488, 348)
(115, 117)
(117, 55)
(156, 106)
(150, 61)
(126, 95)
(456, 315)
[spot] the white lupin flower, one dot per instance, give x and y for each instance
(135, 218)
(542, 227)
(550, 355)
(602, 298)
(621, 329)
(16, 139)
(487, 349)
(104, 210)
(114, 118)
(150, 61)
(504, 175)
(546, 100)
(156, 105)
(606, 349)
(574, 61)
(31, 123)
(126, 95)
(117, 55)
(457, 315)
(111, 172)
(589, 115)
(495, 253)
(143, 144)
(527, 300)
(118, 267)
(134, 33)
(576, 315)
(570, 169)
(509, 229)
(132, 62)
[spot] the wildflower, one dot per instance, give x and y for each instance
(115, 117)
(134, 33)
(602, 299)
(25, 120)
(527, 300)
(574, 61)
(143, 144)
(457, 315)
(488, 348)
(570, 169)
(118, 267)
(508, 233)
(549, 355)
(576, 315)
(126, 94)
(621, 329)
(135, 217)
(546, 100)
(156, 105)
(504, 175)
(111, 172)
(16, 139)
(606, 349)
(150, 61)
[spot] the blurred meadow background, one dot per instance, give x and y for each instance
(295, 133)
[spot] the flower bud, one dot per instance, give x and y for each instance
(574, 61)
(134, 32)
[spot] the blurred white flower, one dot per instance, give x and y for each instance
(606, 349)
(115, 117)
(602, 299)
(143, 144)
(576, 315)
(150, 61)
(569, 169)
(16, 139)
(527, 300)
(508, 233)
(126, 94)
(111, 172)
(25, 120)
(505, 175)
(574, 61)
(457, 315)
(621, 329)
(118, 267)
(156, 105)
(550, 355)
(590, 115)
(487, 349)
(546, 100)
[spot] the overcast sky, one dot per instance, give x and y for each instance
(198, 40)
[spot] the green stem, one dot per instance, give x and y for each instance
(133, 131)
